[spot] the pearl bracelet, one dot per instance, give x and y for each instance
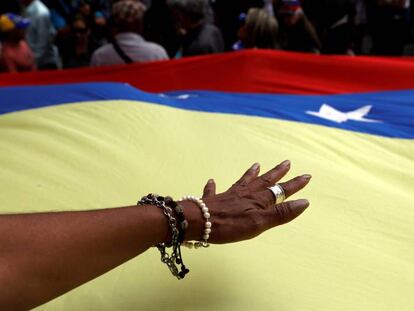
(207, 224)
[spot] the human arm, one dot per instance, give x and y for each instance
(45, 255)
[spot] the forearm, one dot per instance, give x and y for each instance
(45, 255)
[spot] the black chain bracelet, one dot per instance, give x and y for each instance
(168, 205)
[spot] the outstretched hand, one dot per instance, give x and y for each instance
(248, 208)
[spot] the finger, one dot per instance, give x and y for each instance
(248, 176)
(209, 189)
(294, 185)
(285, 212)
(290, 187)
(271, 177)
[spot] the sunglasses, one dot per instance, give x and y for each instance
(80, 30)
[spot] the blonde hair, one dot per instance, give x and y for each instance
(261, 29)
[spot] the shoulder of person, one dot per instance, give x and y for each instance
(106, 48)
(211, 29)
(159, 49)
(210, 32)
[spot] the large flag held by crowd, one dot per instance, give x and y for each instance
(97, 138)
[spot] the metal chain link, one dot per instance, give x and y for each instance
(171, 260)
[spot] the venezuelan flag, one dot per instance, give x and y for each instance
(96, 138)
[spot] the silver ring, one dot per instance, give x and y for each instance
(278, 192)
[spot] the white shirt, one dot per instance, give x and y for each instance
(133, 45)
(41, 33)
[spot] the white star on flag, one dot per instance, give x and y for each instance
(330, 113)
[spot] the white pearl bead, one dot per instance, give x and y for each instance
(206, 214)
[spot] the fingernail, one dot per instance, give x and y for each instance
(285, 163)
(255, 167)
(210, 181)
(299, 206)
(307, 176)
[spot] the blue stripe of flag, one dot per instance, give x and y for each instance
(391, 113)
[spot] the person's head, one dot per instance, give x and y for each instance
(290, 11)
(99, 19)
(128, 15)
(188, 13)
(260, 30)
(85, 8)
(79, 27)
(13, 27)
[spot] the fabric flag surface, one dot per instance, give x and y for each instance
(98, 138)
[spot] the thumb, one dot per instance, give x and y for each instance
(209, 189)
(287, 211)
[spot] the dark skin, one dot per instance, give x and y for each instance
(249, 205)
(41, 253)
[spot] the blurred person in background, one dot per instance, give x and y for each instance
(41, 34)
(159, 27)
(226, 17)
(389, 22)
(75, 49)
(198, 35)
(100, 33)
(16, 55)
(259, 30)
(96, 22)
(103, 6)
(128, 45)
(334, 21)
(297, 33)
(61, 12)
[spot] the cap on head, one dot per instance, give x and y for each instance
(10, 21)
(289, 7)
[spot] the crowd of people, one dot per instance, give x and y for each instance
(54, 34)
